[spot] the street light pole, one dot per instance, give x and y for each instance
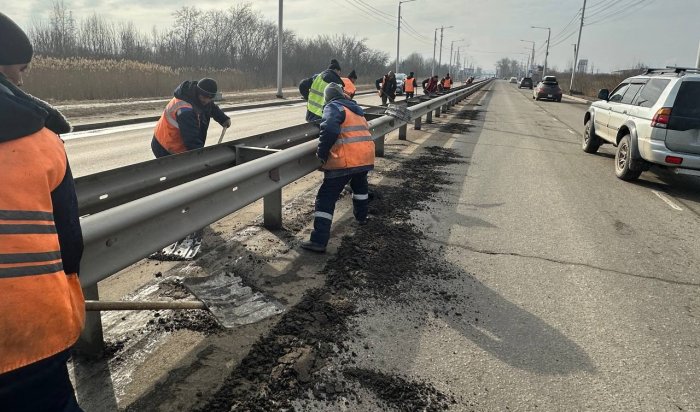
(578, 47)
(432, 71)
(279, 52)
(398, 34)
(698, 62)
(546, 54)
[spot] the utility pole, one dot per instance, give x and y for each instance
(532, 60)
(573, 69)
(442, 29)
(398, 34)
(279, 52)
(698, 62)
(432, 71)
(546, 54)
(578, 47)
(452, 44)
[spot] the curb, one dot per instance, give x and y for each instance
(229, 109)
(577, 99)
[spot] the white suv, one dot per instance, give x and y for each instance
(653, 118)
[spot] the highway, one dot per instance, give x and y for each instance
(95, 151)
(503, 268)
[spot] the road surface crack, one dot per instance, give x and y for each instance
(564, 262)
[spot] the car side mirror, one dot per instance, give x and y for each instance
(604, 94)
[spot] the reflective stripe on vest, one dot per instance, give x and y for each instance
(354, 146)
(316, 99)
(167, 131)
(349, 87)
(41, 309)
(408, 85)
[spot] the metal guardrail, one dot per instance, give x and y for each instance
(201, 187)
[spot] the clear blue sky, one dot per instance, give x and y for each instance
(618, 34)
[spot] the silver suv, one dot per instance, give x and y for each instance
(653, 118)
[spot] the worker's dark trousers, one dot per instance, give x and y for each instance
(385, 97)
(409, 95)
(328, 195)
(40, 386)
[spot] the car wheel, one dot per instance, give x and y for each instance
(591, 142)
(623, 160)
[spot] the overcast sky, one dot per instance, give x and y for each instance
(618, 34)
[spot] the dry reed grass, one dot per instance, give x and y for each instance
(85, 79)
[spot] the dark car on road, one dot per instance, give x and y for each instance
(526, 82)
(548, 89)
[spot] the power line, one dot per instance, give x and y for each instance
(376, 10)
(638, 6)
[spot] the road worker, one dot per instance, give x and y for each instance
(311, 90)
(42, 310)
(386, 85)
(349, 84)
(346, 152)
(446, 82)
(430, 85)
(184, 123)
(410, 85)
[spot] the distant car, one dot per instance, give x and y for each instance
(653, 118)
(513, 80)
(525, 82)
(548, 89)
(400, 79)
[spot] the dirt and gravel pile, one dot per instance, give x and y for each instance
(306, 361)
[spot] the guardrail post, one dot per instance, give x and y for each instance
(272, 210)
(437, 111)
(379, 146)
(91, 342)
(429, 117)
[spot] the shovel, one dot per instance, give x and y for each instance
(223, 131)
(222, 294)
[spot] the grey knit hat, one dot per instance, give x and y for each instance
(15, 47)
(332, 92)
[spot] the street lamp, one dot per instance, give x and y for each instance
(398, 33)
(546, 54)
(532, 58)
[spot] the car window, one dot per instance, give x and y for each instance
(651, 92)
(616, 95)
(631, 93)
(686, 104)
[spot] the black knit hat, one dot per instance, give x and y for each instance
(352, 75)
(15, 47)
(207, 87)
(334, 65)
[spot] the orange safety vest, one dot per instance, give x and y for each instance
(349, 87)
(167, 131)
(42, 308)
(447, 82)
(408, 85)
(354, 146)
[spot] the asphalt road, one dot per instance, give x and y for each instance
(586, 288)
(96, 151)
(546, 283)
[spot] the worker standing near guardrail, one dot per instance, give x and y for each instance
(346, 151)
(349, 84)
(311, 90)
(185, 121)
(41, 304)
(430, 85)
(386, 85)
(446, 82)
(410, 85)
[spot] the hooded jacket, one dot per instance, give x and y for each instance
(333, 118)
(329, 76)
(41, 309)
(193, 123)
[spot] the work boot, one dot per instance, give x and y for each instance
(363, 222)
(313, 246)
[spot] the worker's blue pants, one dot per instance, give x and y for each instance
(328, 195)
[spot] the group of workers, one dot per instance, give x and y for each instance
(42, 307)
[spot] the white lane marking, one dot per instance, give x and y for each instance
(667, 200)
(571, 131)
